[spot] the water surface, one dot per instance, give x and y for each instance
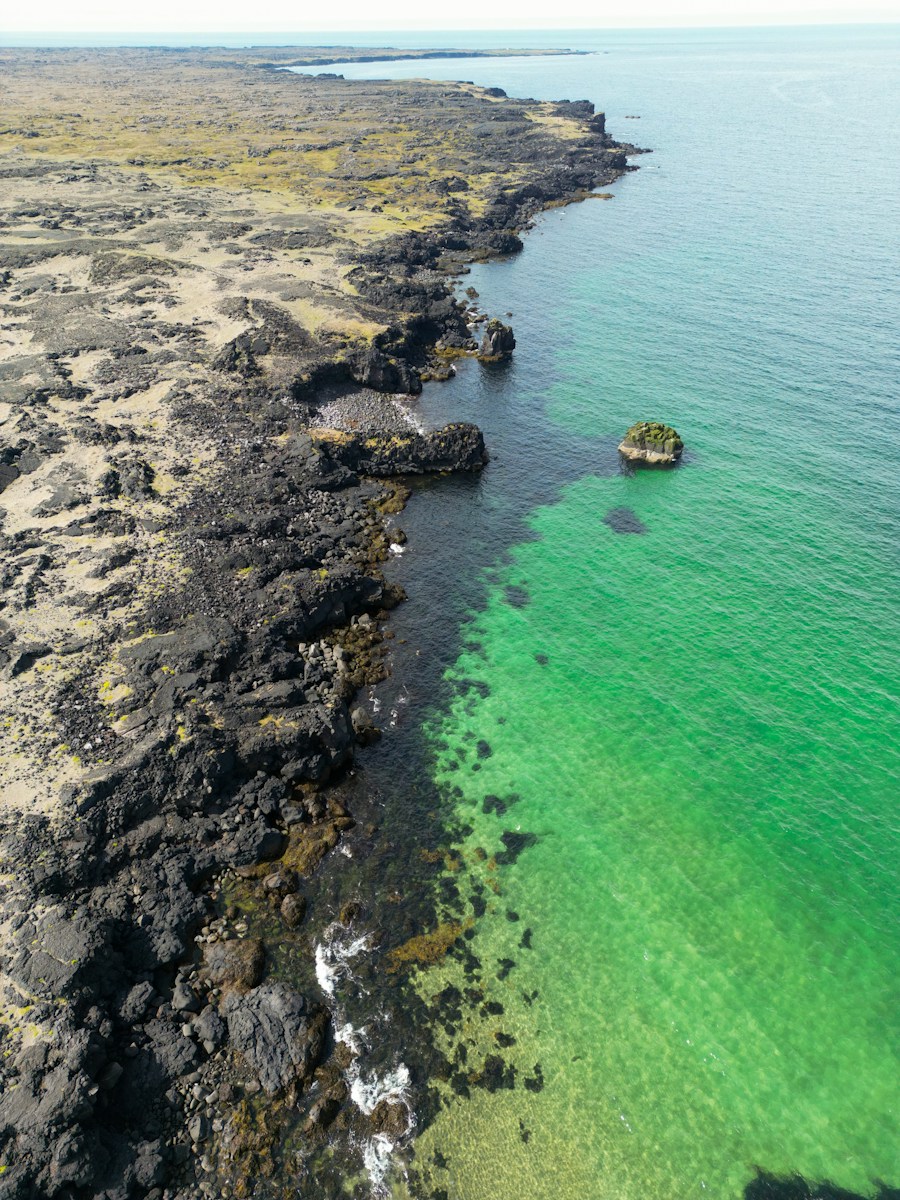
(687, 680)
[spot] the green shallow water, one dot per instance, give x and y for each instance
(698, 722)
(710, 905)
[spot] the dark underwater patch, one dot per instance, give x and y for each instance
(517, 596)
(624, 520)
(771, 1187)
(496, 1074)
(515, 843)
(541, 660)
(474, 685)
(494, 804)
(460, 1084)
(536, 1082)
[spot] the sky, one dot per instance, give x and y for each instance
(284, 16)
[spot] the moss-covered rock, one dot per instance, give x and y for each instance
(652, 442)
(498, 342)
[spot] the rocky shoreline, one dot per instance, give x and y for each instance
(192, 598)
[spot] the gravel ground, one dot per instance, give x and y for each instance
(367, 411)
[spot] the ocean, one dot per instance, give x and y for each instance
(660, 707)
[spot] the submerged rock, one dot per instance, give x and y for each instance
(624, 520)
(652, 442)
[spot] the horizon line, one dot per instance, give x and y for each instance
(406, 29)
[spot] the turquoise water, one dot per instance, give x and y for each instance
(697, 723)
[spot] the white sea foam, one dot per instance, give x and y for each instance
(333, 958)
(409, 415)
(377, 1154)
(334, 955)
(367, 1094)
(326, 970)
(350, 1036)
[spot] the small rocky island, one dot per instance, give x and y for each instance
(498, 342)
(652, 442)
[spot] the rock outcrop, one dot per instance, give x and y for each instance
(498, 342)
(456, 447)
(278, 1033)
(382, 373)
(652, 442)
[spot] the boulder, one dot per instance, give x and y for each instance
(280, 1036)
(210, 1028)
(497, 343)
(293, 910)
(378, 371)
(651, 442)
(184, 999)
(363, 726)
(279, 883)
(237, 963)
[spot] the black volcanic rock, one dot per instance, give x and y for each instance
(498, 342)
(279, 1035)
(382, 373)
(457, 447)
